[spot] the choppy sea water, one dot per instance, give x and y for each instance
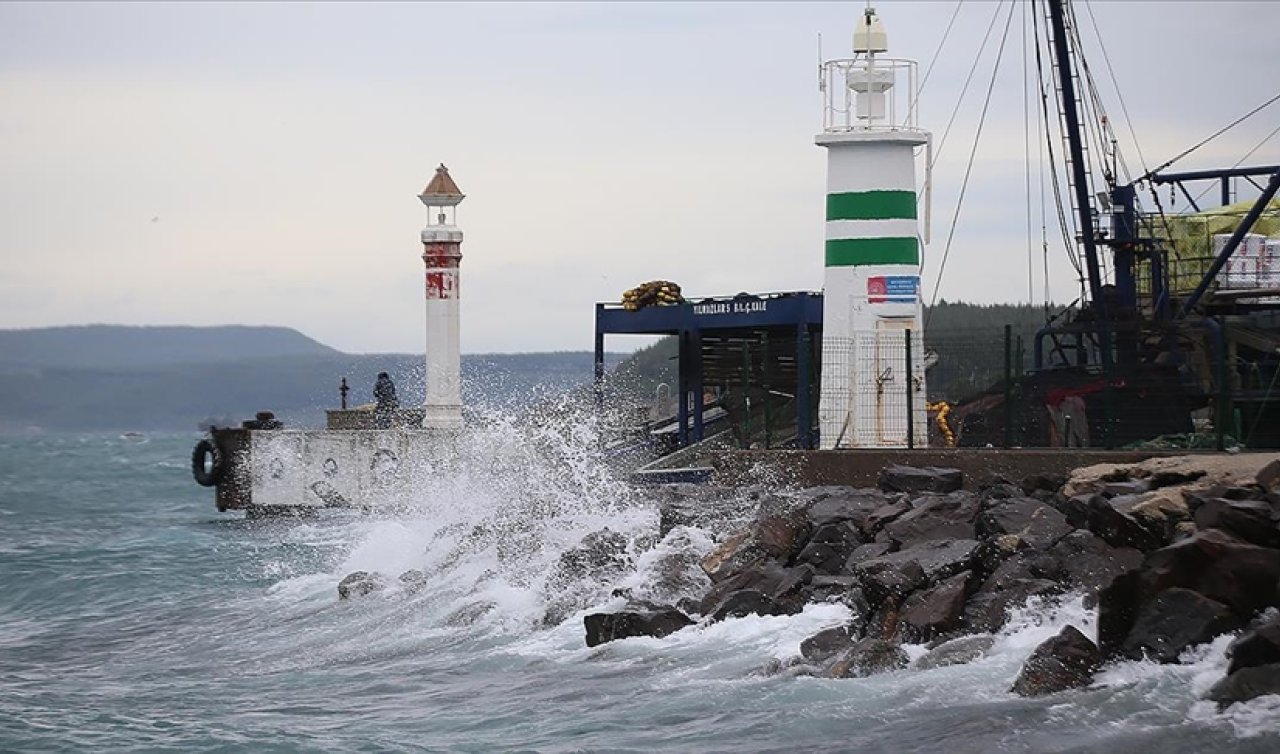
(133, 617)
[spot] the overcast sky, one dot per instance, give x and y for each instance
(259, 163)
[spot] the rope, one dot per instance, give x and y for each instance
(964, 185)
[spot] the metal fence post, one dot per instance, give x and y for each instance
(764, 388)
(1008, 386)
(746, 396)
(911, 424)
(1223, 412)
(1108, 396)
(1020, 370)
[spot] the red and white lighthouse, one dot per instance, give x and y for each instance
(441, 253)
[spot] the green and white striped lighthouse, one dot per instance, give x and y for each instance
(872, 249)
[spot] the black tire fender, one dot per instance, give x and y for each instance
(210, 477)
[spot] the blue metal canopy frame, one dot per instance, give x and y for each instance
(799, 311)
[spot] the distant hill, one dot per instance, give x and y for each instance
(157, 378)
(110, 346)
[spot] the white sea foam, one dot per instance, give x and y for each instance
(488, 528)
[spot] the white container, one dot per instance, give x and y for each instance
(1242, 269)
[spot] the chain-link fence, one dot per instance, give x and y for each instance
(1193, 387)
(873, 391)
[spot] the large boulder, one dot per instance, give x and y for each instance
(1251, 520)
(875, 521)
(1173, 621)
(1162, 510)
(866, 552)
(1118, 605)
(1076, 509)
(575, 579)
(935, 517)
(771, 536)
(939, 559)
(838, 504)
(738, 552)
(830, 642)
(926, 479)
(868, 657)
(643, 620)
(1089, 563)
(600, 556)
(884, 620)
(778, 584)
(1040, 526)
(1268, 477)
(1049, 483)
(830, 546)
(1066, 661)
(1242, 576)
(934, 612)
(1115, 521)
(1246, 684)
(844, 590)
(1259, 645)
(883, 578)
(957, 651)
(746, 602)
(782, 534)
(674, 571)
(701, 506)
(360, 583)
(412, 580)
(988, 609)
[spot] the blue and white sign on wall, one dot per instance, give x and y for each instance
(893, 289)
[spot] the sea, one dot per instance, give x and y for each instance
(135, 617)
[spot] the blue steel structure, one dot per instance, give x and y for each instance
(795, 315)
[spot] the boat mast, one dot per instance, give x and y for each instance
(1071, 123)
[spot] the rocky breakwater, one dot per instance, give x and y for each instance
(1172, 553)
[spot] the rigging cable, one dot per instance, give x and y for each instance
(936, 54)
(1124, 109)
(963, 90)
(1067, 238)
(1100, 121)
(1026, 152)
(964, 185)
(1215, 135)
(1240, 161)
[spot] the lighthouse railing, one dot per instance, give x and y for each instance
(840, 112)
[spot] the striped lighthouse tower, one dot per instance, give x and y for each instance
(873, 248)
(441, 253)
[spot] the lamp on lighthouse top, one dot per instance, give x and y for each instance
(441, 197)
(861, 93)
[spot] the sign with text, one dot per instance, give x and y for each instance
(742, 305)
(893, 289)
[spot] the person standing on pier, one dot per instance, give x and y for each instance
(384, 392)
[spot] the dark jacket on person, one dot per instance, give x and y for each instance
(384, 392)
